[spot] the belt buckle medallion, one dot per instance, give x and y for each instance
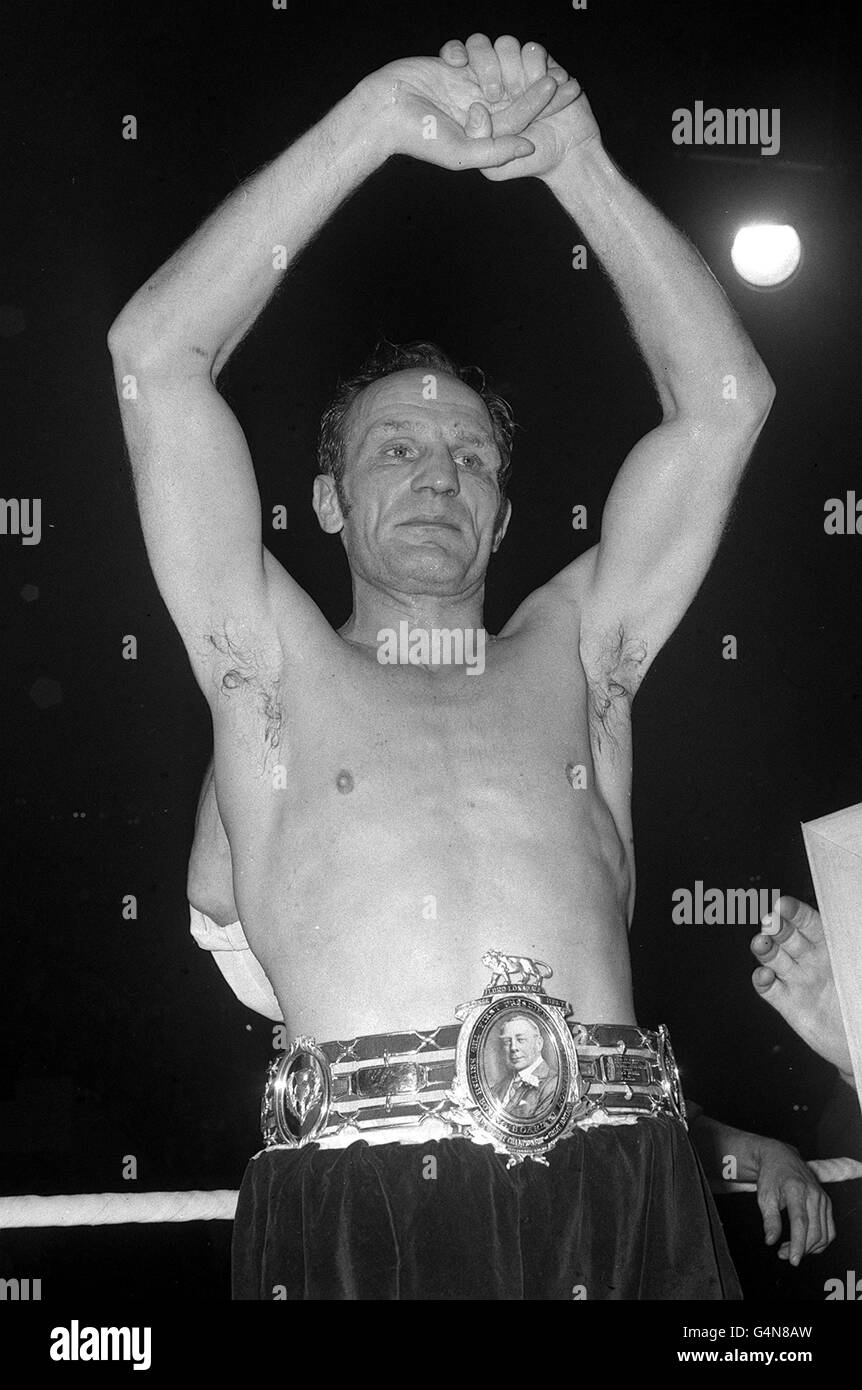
(516, 1067)
(298, 1095)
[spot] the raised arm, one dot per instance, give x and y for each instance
(194, 479)
(195, 484)
(666, 510)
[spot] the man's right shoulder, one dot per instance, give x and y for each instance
(297, 622)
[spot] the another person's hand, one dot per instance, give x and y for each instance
(794, 974)
(504, 71)
(438, 112)
(786, 1183)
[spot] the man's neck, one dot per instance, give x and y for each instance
(527, 1073)
(376, 611)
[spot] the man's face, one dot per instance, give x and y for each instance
(421, 483)
(521, 1044)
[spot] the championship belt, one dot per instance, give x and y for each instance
(516, 1071)
(515, 1029)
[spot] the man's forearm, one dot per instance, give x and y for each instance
(715, 1142)
(203, 301)
(688, 334)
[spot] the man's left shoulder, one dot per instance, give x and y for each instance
(557, 603)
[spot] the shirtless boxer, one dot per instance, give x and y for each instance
(354, 794)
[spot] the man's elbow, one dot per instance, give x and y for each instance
(138, 347)
(740, 405)
(762, 393)
(748, 399)
(126, 339)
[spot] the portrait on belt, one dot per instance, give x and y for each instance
(521, 1066)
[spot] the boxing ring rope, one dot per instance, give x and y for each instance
(117, 1208)
(824, 1169)
(125, 1208)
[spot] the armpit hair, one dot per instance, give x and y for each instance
(612, 679)
(243, 671)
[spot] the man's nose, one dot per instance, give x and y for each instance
(438, 471)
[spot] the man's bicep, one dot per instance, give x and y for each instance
(661, 528)
(199, 508)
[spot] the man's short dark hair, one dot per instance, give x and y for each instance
(386, 359)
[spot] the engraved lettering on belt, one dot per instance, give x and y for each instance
(396, 1079)
(627, 1069)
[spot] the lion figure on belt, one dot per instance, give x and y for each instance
(504, 968)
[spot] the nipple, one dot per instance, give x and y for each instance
(344, 781)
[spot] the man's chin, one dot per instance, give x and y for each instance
(432, 569)
(437, 540)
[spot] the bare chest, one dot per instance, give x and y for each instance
(351, 726)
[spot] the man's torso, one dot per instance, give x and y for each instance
(388, 824)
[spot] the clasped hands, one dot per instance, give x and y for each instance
(507, 109)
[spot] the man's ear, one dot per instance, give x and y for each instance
(502, 528)
(327, 507)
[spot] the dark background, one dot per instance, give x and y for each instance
(121, 1037)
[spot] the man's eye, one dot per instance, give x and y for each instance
(470, 460)
(399, 449)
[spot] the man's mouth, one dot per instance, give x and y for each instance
(428, 521)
